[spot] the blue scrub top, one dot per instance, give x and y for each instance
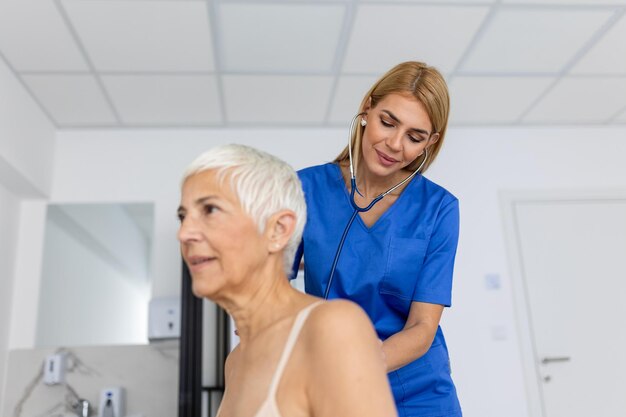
(407, 255)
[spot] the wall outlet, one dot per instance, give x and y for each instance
(54, 369)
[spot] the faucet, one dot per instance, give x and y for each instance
(81, 408)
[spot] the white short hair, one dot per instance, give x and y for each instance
(263, 183)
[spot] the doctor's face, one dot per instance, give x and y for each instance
(397, 132)
(219, 242)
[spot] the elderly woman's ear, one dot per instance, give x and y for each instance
(279, 228)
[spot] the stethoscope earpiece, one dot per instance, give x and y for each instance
(356, 207)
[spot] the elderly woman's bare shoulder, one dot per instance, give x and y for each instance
(343, 360)
(338, 320)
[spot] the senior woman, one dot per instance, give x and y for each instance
(241, 214)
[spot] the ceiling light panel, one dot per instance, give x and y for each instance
(34, 37)
(71, 100)
(169, 100)
(608, 56)
(581, 100)
(493, 100)
(283, 100)
(144, 35)
(534, 40)
(279, 37)
(384, 36)
(347, 97)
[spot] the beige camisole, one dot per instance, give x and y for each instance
(269, 408)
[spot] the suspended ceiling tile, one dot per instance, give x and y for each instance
(385, 35)
(533, 40)
(347, 97)
(493, 100)
(566, 2)
(165, 99)
(608, 56)
(285, 100)
(280, 37)
(581, 100)
(34, 37)
(480, 2)
(144, 35)
(72, 100)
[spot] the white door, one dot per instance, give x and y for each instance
(572, 261)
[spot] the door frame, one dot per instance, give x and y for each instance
(509, 199)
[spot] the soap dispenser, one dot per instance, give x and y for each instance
(112, 402)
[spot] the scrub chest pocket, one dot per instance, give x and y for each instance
(404, 263)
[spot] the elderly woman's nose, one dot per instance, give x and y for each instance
(187, 230)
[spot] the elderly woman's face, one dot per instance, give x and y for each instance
(219, 241)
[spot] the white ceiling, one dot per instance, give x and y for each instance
(233, 63)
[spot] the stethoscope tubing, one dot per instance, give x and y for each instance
(356, 207)
(339, 248)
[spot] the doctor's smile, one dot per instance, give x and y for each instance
(385, 159)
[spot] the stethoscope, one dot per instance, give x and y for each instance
(357, 208)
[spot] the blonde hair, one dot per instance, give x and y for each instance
(420, 81)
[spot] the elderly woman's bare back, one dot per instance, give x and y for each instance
(324, 360)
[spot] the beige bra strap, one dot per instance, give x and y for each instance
(291, 341)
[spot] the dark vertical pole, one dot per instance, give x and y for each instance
(222, 347)
(190, 363)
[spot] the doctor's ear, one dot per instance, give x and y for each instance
(279, 228)
(433, 139)
(367, 106)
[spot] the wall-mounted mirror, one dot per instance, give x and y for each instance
(95, 283)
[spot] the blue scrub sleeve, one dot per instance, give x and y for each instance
(296, 262)
(434, 284)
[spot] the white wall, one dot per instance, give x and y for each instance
(9, 213)
(476, 164)
(26, 147)
(26, 139)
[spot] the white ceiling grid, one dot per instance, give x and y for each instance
(233, 63)
(49, 48)
(72, 100)
(580, 101)
(165, 99)
(287, 100)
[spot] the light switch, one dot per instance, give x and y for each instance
(492, 281)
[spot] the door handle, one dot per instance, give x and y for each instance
(551, 359)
